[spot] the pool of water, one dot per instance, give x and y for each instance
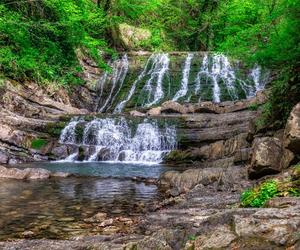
(57, 208)
(103, 169)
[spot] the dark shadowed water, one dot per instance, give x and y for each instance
(56, 208)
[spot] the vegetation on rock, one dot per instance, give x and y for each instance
(39, 40)
(38, 143)
(259, 195)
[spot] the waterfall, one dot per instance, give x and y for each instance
(216, 78)
(203, 71)
(221, 70)
(116, 140)
(185, 78)
(118, 75)
(68, 134)
(159, 69)
(119, 108)
(256, 75)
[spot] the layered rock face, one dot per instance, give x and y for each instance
(30, 120)
(274, 154)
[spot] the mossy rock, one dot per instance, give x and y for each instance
(38, 143)
(54, 129)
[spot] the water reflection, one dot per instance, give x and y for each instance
(49, 208)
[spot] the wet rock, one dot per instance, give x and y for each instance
(106, 223)
(39, 173)
(12, 173)
(208, 176)
(66, 219)
(137, 113)
(266, 157)
(3, 157)
(60, 175)
(207, 107)
(60, 152)
(154, 111)
(292, 131)
(28, 234)
(111, 230)
(28, 173)
(173, 107)
(99, 217)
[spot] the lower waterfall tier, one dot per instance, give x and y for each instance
(116, 139)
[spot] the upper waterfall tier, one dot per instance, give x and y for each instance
(146, 80)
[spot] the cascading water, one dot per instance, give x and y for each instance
(113, 139)
(119, 72)
(205, 77)
(68, 134)
(159, 69)
(185, 78)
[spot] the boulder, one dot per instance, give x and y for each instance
(137, 113)
(13, 173)
(154, 111)
(266, 157)
(3, 157)
(292, 131)
(173, 107)
(207, 107)
(29, 173)
(36, 173)
(188, 179)
(60, 175)
(130, 37)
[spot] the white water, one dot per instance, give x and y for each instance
(221, 70)
(185, 78)
(119, 108)
(68, 134)
(118, 75)
(256, 76)
(217, 79)
(115, 140)
(158, 70)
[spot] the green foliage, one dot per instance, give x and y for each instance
(287, 186)
(257, 196)
(253, 106)
(192, 237)
(38, 143)
(39, 39)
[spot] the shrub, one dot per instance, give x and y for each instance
(258, 196)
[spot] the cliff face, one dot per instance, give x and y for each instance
(30, 120)
(32, 116)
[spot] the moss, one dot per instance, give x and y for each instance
(54, 129)
(79, 131)
(81, 156)
(38, 143)
(179, 156)
(253, 106)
